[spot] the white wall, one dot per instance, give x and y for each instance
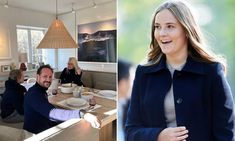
(10, 17)
(96, 26)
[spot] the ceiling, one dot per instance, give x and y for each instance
(104, 9)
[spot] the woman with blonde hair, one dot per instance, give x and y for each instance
(181, 93)
(73, 73)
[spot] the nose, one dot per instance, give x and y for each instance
(49, 79)
(163, 32)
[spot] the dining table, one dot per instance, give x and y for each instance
(79, 129)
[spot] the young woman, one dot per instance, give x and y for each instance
(72, 74)
(181, 93)
(12, 109)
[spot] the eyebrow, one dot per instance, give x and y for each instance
(169, 23)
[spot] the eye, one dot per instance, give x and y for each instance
(170, 26)
(157, 26)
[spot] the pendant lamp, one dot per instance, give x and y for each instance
(57, 36)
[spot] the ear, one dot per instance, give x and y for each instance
(187, 36)
(37, 77)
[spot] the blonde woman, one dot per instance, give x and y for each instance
(181, 93)
(72, 73)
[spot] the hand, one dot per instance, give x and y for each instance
(79, 71)
(95, 122)
(173, 134)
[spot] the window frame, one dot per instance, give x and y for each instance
(30, 47)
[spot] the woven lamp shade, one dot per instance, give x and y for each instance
(57, 37)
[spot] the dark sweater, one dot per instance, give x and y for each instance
(13, 98)
(68, 76)
(37, 109)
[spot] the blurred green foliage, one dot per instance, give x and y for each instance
(134, 26)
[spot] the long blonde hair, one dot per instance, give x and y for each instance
(196, 43)
(73, 60)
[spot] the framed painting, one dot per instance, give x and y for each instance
(97, 44)
(97, 47)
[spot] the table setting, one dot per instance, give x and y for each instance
(86, 92)
(78, 104)
(79, 97)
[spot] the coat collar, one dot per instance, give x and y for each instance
(190, 66)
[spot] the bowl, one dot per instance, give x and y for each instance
(66, 88)
(87, 95)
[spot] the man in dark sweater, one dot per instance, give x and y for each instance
(40, 114)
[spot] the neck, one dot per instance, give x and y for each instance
(44, 88)
(176, 61)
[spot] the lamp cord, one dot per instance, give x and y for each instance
(56, 9)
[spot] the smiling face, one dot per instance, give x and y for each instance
(45, 77)
(170, 34)
(70, 65)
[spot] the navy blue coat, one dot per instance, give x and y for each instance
(202, 96)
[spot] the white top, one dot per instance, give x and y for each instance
(169, 104)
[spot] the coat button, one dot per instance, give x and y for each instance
(179, 100)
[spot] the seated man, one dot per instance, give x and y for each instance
(12, 110)
(39, 113)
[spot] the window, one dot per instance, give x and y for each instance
(28, 39)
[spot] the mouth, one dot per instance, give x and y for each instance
(47, 83)
(166, 42)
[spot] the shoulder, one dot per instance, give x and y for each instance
(32, 88)
(195, 66)
(22, 88)
(32, 91)
(143, 69)
(63, 72)
(140, 69)
(214, 68)
(64, 69)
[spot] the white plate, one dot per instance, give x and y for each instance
(76, 102)
(107, 93)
